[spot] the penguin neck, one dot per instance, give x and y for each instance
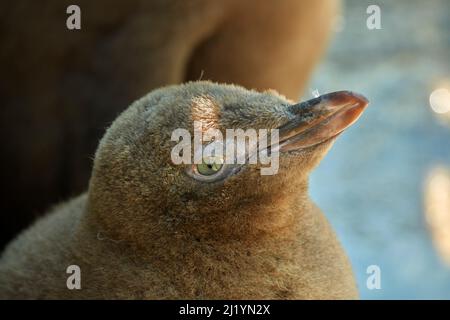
(261, 218)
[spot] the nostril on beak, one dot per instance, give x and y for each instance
(329, 102)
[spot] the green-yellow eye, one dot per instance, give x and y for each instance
(208, 168)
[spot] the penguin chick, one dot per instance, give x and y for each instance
(150, 229)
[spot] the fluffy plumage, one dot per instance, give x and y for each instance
(145, 229)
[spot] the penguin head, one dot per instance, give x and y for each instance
(135, 181)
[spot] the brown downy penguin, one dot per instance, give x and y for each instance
(123, 50)
(150, 229)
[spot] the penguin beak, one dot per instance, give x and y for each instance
(320, 119)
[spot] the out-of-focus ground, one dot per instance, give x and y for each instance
(371, 184)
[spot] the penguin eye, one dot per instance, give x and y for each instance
(208, 169)
(209, 166)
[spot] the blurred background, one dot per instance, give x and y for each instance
(385, 184)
